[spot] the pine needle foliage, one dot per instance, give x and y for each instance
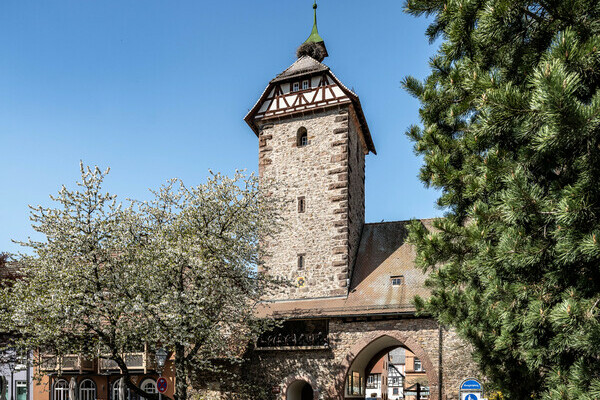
(510, 134)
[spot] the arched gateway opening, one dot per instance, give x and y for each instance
(358, 377)
(299, 390)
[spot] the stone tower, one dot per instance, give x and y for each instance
(313, 139)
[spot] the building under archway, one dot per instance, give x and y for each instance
(368, 374)
(391, 371)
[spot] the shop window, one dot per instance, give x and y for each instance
(149, 386)
(87, 390)
(129, 395)
(21, 390)
(61, 390)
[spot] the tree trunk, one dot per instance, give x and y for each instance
(180, 374)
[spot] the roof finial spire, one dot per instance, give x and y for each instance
(314, 46)
(314, 34)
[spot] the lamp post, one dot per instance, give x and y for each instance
(11, 366)
(161, 359)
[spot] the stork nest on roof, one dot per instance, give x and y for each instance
(314, 50)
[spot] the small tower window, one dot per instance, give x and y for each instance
(302, 137)
(295, 86)
(301, 261)
(301, 204)
(305, 84)
(397, 280)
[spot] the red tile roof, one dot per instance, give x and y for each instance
(383, 253)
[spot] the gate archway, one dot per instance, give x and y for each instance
(299, 390)
(300, 387)
(371, 347)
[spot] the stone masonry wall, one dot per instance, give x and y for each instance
(356, 187)
(318, 172)
(326, 369)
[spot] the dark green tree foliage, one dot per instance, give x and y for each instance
(510, 134)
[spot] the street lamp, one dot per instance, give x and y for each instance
(11, 366)
(161, 359)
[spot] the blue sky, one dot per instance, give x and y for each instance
(158, 89)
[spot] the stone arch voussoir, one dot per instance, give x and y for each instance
(336, 390)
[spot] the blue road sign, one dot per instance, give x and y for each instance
(471, 397)
(470, 384)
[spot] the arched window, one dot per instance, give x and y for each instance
(115, 390)
(149, 386)
(128, 394)
(302, 137)
(87, 390)
(61, 390)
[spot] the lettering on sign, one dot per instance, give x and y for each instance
(296, 334)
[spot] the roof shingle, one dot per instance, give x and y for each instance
(301, 66)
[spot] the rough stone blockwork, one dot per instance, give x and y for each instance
(329, 174)
(326, 369)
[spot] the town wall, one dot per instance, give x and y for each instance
(326, 369)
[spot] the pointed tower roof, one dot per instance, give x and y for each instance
(314, 34)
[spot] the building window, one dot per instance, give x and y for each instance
(149, 386)
(21, 390)
(295, 86)
(61, 390)
(301, 258)
(374, 381)
(302, 137)
(397, 280)
(418, 366)
(355, 384)
(115, 392)
(87, 390)
(305, 85)
(301, 204)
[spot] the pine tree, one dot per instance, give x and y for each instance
(510, 134)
